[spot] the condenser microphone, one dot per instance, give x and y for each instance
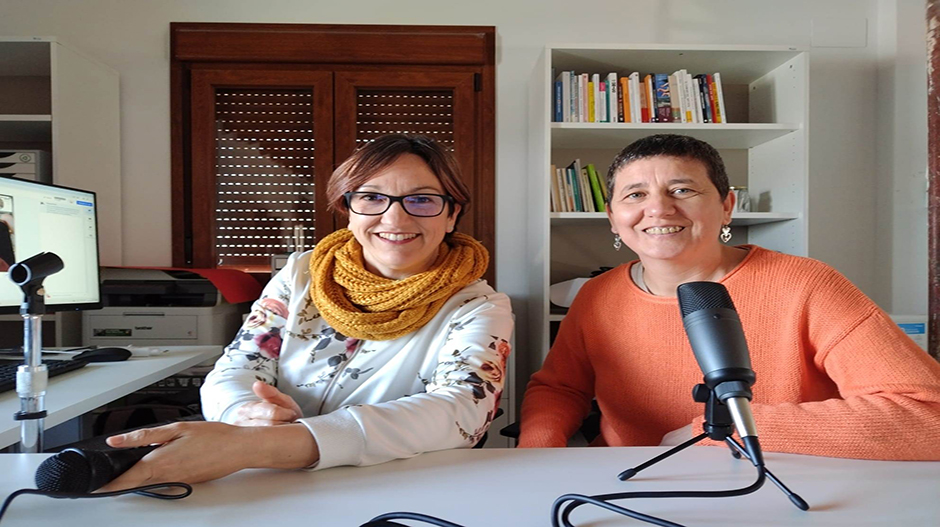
(717, 339)
(85, 471)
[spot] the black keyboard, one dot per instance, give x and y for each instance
(55, 367)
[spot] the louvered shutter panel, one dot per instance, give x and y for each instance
(264, 174)
(266, 163)
(381, 112)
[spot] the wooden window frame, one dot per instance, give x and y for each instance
(335, 47)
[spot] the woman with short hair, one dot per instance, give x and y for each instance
(835, 376)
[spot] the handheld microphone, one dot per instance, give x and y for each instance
(717, 339)
(85, 471)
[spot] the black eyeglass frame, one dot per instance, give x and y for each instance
(448, 200)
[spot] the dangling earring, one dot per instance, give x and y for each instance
(725, 233)
(618, 243)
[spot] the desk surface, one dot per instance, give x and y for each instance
(75, 393)
(515, 487)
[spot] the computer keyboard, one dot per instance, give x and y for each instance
(55, 367)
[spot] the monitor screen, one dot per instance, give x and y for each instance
(38, 217)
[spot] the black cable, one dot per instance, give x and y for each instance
(384, 520)
(601, 500)
(145, 490)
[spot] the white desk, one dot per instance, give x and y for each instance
(514, 487)
(75, 393)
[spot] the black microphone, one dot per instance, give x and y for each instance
(85, 471)
(717, 339)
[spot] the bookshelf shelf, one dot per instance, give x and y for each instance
(619, 135)
(765, 146)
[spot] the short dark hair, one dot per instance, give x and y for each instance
(672, 145)
(377, 155)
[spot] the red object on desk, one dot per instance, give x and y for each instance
(236, 286)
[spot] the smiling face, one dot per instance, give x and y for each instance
(395, 244)
(666, 208)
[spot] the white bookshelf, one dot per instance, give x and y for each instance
(55, 98)
(764, 145)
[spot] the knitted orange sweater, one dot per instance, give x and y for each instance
(835, 376)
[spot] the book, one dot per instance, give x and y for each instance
(573, 185)
(591, 116)
(596, 191)
(706, 98)
(586, 191)
(661, 93)
(635, 108)
(567, 201)
(651, 98)
(555, 196)
(565, 79)
(676, 99)
(713, 99)
(721, 98)
(697, 97)
(583, 89)
(557, 115)
(613, 99)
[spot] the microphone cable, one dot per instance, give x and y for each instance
(146, 490)
(561, 518)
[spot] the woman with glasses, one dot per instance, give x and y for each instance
(380, 343)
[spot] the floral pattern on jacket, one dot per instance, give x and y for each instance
(438, 387)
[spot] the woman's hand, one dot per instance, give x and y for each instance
(193, 452)
(274, 408)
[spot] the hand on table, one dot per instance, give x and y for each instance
(274, 408)
(193, 452)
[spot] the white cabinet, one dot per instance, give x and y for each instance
(764, 145)
(55, 98)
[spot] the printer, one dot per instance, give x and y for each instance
(160, 307)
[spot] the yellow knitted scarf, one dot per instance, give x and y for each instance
(363, 305)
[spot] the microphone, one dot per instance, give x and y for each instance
(717, 339)
(85, 471)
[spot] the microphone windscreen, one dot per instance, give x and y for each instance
(67, 471)
(696, 296)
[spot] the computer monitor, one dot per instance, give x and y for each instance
(39, 217)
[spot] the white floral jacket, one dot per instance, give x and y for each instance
(367, 402)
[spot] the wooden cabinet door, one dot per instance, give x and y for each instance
(261, 154)
(442, 105)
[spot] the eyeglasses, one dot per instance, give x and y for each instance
(375, 203)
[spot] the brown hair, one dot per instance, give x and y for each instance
(377, 155)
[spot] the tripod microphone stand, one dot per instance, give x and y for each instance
(718, 427)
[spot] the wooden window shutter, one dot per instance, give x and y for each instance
(360, 81)
(260, 150)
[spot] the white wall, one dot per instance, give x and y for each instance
(854, 165)
(901, 272)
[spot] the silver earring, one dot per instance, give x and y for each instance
(725, 233)
(618, 243)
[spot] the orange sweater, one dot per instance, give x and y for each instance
(835, 376)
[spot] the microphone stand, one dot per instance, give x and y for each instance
(32, 377)
(718, 426)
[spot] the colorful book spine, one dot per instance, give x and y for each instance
(613, 99)
(706, 99)
(713, 99)
(557, 113)
(596, 191)
(663, 104)
(591, 103)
